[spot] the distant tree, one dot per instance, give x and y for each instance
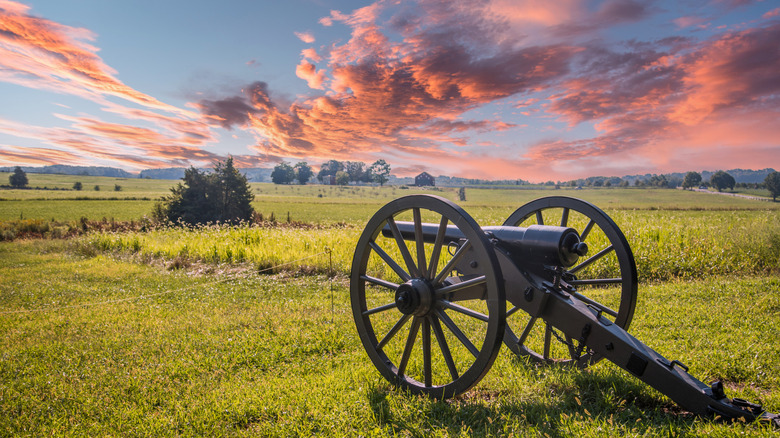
(623, 183)
(722, 180)
(658, 181)
(772, 182)
(462, 194)
(223, 195)
(18, 179)
(283, 173)
(329, 169)
(342, 178)
(303, 172)
(356, 170)
(97, 188)
(380, 172)
(692, 179)
(117, 188)
(77, 185)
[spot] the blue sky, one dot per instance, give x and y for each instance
(489, 89)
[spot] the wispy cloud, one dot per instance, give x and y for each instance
(42, 54)
(402, 87)
(412, 79)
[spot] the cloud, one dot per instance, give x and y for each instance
(660, 104)
(14, 155)
(400, 98)
(308, 72)
(306, 37)
(42, 54)
(426, 82)
(39, 53)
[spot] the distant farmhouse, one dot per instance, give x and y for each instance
(424, 179)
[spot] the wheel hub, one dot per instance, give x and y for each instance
(415, 297)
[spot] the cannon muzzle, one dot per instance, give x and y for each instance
(539, 244)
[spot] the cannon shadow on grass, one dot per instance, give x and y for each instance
(588, 402)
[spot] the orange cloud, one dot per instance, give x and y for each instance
(664, 108)
(42, 54)
(13, 155)
(39, 53)
(308, 72)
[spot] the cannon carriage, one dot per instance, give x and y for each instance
(434, 296)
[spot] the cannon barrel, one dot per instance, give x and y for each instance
(541, 244)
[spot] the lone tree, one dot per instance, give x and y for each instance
(223, 195)
(380, 171)
(18, 179)
(303, 172)
(692, 179)
(283, 173)
(772, 182)
(722, 180)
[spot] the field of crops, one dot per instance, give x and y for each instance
(215, 330)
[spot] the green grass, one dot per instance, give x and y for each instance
(666, 244)
(325, 204)
(97, 346)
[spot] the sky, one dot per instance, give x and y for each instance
(497, 89)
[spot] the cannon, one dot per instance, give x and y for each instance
(434, 296)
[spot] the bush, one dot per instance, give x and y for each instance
(221, 196)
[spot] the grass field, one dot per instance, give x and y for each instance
(202, 332)
(96, 346)
(323, 204)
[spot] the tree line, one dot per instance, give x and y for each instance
(719, 180)
(332, 172)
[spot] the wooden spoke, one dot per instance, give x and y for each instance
(464, 310)
(379, 282)
(586, 230)
(595, 257)
(379, 309)
(463, 285)
(420, 243)
(457, 332)
(437, 245)
(410, 340)
(399, 240)
(398, 325)
(565, 217)
(426, 344)
(390, 262)
(451, 264)
(445, 349)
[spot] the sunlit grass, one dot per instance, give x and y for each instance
(666, 245)
(97, 346)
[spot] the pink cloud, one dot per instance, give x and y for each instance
(13, 155)
(308, 72)
(688, 21)
(306, 37)
(654, 106)
(311, 54)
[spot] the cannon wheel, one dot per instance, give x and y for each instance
(614, 295)
(442, 347)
